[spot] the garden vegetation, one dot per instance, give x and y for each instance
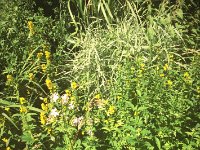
(99, 75)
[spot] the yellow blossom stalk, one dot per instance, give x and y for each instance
(111, 110)
(5, 140)
(44, 107)
(68, 93)
(169, 82)
(22, 100)
(98, 96)
(47, 54)
(23, 109)
(7, 108)
(42, 118)
(49, 84)
(31, 76)
(9, 78)
(74, 85)
(8, 148)
(30, 26)
(186, 75)
(162, 75)
(166, 67)
(45, 100)
(142, 66)
(44, 67)
(39, 55)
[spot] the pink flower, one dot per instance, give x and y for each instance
(54, 113)
(65, 98)
(54, 97)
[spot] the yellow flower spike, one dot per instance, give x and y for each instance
(111, 110)
(49, 84)
(186, 75)
(9, 77)
(23, 109)
(47, 54)
(5, 140)
(68, 92)
(22, 100)
(42, 118)
(74, 85)
(8, 148)
(30, 25)
(7, 108)
(44, 107)
(45, 100)
(39, 55)
(198, 90)
(169, 82)
(44, 67)
(142, 66)
(162, 75)
(98, 96)
(31, 76)
(166, 67)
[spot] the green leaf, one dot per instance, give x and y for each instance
(7, 117)
(139, 93)
(158, 143)
(179, 13)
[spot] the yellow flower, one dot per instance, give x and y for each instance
(68, 92)
(49, 84)
(44, 107)
(31, 76)
(111, 110)
(22, 100)
(186, 75)
(42, 118)
(74, 85)
(7, 108)
(162, 75)
(39, 55)
(5, 140)
(9, 78)
(44, 67)
(166, 67)
(169, 82)
(142, 66)
(45, 100)
(30, 25)
(198, 90)
(23, 109)
(8, 148)
(47, 54)
(97, 96)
